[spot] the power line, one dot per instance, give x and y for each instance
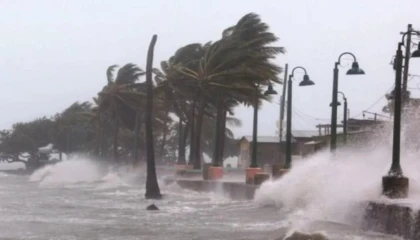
(376, 102)
(412, 76)
(303, 119)
(309, 116)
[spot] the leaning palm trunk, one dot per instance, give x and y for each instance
(152, 186)
(197, 134)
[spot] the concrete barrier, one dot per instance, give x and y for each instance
(261, 177)
(392, 218)
(233, 190)
(203, 174)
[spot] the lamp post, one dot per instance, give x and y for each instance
(253, 167)
(354, 70)
(395, 185)
(306, 82)
(407, 57)
(345, 117)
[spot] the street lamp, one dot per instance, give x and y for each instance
(395, 185)
(354, 70)
(269, 91)
(417, 52)
(253, 167)
(306, 82)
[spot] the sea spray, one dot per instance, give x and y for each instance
(111, 180)
(67, 172)
(332, 189)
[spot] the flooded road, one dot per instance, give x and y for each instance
(56, 204)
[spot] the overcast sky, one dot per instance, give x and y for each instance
(55, 52)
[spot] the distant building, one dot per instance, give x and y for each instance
(359, 131)
(271, 151)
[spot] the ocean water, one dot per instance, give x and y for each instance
(78, 199)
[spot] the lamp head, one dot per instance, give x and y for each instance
(338, 104)
(416, 53)
(270, 90)
(306, 81)
(355, 70)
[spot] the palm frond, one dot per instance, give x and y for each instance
(110, 73)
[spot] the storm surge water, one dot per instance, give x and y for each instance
(74, 171)
(336, 189)
(81, 198)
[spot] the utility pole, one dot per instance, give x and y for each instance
(282, 104)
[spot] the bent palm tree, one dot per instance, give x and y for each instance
(232, 67)
(152, 186)
(119, 99)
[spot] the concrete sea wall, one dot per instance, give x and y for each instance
(234, 190)
(393, 218)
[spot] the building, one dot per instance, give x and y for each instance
(271, 151)
(359, 132)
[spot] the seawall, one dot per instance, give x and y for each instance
(393, 218)
(233, 190)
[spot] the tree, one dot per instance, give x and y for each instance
(152, 186)
(181, 91)
(231, 70)
(22, 142)
(119, 99)
(73, 129)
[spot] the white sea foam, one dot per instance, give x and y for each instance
(332, 189)
(72, 171)
(111, 180)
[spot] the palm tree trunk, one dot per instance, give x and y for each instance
(104, 136)
(165, 132)
(217, 139)
(182, 145)
(181, 151)
(98, 139)
(68, 138)
(222, 136)
(152, 186)
(116, 132)
(192, 133)
(136, 138)
(197, 133)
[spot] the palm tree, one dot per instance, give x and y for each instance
(181, 92)
(119, 99)
(208, 135)
(152, 186)
(232, 68)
